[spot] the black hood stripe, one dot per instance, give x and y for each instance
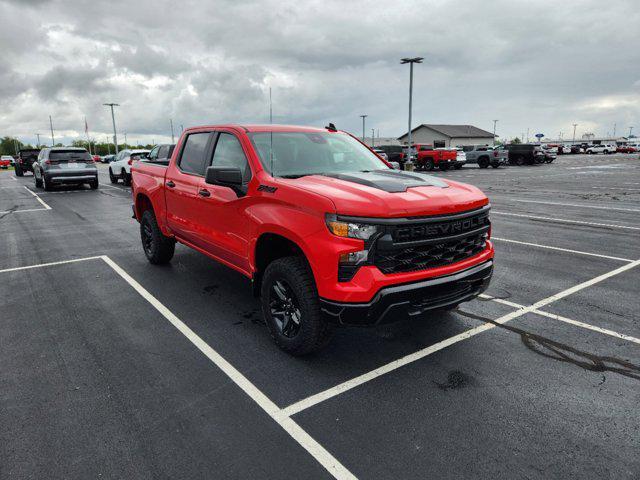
(392, 181)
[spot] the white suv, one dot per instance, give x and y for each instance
(601, 149)
(120, 167)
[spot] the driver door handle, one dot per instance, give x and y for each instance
(204, 193)
(170, 184)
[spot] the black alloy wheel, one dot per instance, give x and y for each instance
(284, 308)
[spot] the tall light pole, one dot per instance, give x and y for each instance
(38, 135)
(494, 131)
(125, 139)
(574, 133)
(113, 119)
(363, 117)
(410, 61)
(630, 130)
(173, 138)
(53, 140)
(527, 134)
(614, 130)
(373, 136)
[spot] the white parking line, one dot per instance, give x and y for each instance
(616, 209)
(389, 367)
(606, 331)
(39, 265)
(561, 249)
(565, 319)
(47, 207)
(316, 450)
(618, 188)
(564, 220)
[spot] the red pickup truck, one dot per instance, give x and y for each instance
(428, 158)
(328, 233)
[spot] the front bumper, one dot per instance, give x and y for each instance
(399, 302)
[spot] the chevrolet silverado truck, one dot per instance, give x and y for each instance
(485, 155)
(327, 232)
(429, 158)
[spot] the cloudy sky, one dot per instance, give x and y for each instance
(540, 65)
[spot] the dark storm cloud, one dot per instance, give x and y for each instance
(539, 66)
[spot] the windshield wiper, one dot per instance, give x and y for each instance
(299, 175)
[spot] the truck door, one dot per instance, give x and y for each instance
(224, 230)
(181, 185)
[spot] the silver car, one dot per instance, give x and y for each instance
(64, 165)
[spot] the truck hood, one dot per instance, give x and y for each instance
(391, 193)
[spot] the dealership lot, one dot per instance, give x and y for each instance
(116, 368)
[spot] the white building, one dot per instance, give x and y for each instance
(381, 141)
(448, 135)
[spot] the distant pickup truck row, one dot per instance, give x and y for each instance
(428, 157)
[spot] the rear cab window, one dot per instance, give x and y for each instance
(193, 156)
(61, 156)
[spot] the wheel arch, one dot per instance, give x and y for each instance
(271, 246)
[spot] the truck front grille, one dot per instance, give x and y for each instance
(429, 256)
(432, 242)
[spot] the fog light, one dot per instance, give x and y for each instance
(354, 258)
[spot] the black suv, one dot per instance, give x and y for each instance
(24, 161)
(525, 153)
(160, 154)
(64, 165)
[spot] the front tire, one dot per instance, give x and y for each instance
(428, 164)
(291, 307)
(18, 170)
(126, 179)
(37, 181)
(483, 162)
(158, 248)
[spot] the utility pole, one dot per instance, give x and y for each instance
(630, 130)
(53, 140)
(574, 133)
(270, 107)
(494, 131)
(527, 134)
(173, 138)
(113, 119)
(38, 135)
(125, 139)
(410, 61)
(373, 137)
(614, 130)
(363, 117)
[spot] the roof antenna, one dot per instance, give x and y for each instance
(331, 127)
(273, 174)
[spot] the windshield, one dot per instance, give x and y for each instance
(67, 155)
(296, 154)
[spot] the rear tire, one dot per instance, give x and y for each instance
(483, 162)
(428, 164)
(126, 179)
(519, 160)
(158, 248)
(18, 170)
(46, 183)
(37, 181)
(94, 184)
(288, 292)
(112, 177)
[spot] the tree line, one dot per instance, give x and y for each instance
(11, 146)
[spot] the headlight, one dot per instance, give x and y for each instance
(350, 230)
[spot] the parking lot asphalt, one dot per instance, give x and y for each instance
(114, 368)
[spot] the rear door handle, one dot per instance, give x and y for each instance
(170, 184)
(204, 193)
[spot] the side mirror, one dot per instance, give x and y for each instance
(224, 176)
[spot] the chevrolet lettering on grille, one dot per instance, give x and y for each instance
(444, 229)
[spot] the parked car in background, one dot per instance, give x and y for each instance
(381, 153)
(565, 149)
(107, 158)
(25, 159)
(160, 154)
(461, 157)
(64, 165)
(395, 153)
(326, 231)
(6, 161)
(600, 148)
(120, 166)
(551, 148)
(484, 155)
(629, 148)
(550, 154)
(428, 158)
(525, 154)
(96, 158)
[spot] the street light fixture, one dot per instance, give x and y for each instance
(410, 61)
(113, 119)
(363, 117)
